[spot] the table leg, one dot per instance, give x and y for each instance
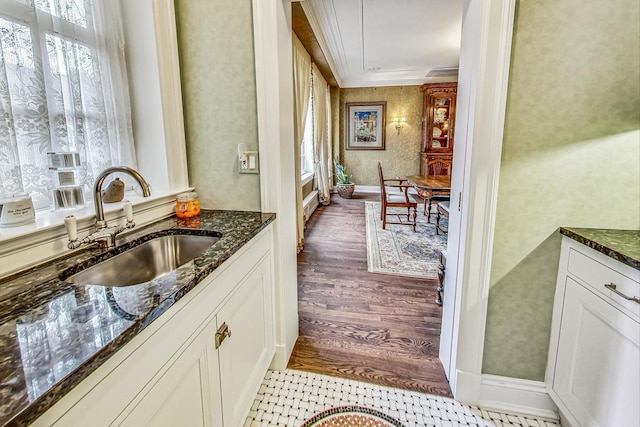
(440, 288)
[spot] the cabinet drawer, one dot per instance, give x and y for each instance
(596, 275)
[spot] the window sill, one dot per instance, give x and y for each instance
(46, 238)
(307, 178)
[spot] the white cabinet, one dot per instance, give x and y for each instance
(172, 373)
(247, 353)
(186, 393)
(593, 371)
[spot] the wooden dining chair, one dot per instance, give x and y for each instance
(436, 167)
(443, 211)
(396, 199)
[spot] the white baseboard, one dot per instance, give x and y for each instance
(466, 387)
(280, 358)
(505, 394)
(375, 189)
(367, 189)
(516, 396)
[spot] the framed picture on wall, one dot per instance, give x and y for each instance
(364, 125)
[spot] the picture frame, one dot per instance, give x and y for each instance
(365, 125)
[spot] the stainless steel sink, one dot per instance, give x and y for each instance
(145, 262)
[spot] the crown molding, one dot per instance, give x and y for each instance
(394, 81)
(322, 18)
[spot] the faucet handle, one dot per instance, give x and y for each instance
(128, 213)
(72, 227)
(72, 231)
(128, 210)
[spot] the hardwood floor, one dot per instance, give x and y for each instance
(358, 325)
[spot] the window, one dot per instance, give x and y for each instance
(62, 88)
(306, 152)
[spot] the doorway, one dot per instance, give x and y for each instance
(487, 30)
(377, 328)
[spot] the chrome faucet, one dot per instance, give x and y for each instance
(97, 192)
(105, 235)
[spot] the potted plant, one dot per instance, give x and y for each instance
(344, 185)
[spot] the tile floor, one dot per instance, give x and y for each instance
(289, 397)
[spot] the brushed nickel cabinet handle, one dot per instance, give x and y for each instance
(612, 288)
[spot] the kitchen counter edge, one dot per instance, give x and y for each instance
(621, 245)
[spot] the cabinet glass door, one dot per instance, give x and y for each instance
(441, 123)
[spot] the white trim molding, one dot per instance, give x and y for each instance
(274, 97)
(307, 178)
(171, 92)
(156, 93)
(517, 396)
(482, 95)
(315, 12)
(366, 189)
(375, 189)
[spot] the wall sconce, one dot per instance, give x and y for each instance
(399, 123)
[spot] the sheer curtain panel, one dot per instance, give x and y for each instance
(63, 87)
(301, 96)
(321, 146)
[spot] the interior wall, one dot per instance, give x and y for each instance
(219, 95)
(571, 156)
(401, 156)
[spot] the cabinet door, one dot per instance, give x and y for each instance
(247, 353)
(598, 361)
(187, 393)
(438, 117)
(440, 138)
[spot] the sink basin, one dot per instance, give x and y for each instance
(145, 262)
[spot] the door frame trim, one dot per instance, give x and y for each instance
(479, 188)
(491, 24)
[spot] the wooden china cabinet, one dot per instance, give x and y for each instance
(438, 122)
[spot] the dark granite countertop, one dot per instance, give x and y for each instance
(621, 245)
(54, 334)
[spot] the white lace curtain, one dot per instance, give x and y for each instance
(63, 87)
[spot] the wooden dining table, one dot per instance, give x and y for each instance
(429, 186)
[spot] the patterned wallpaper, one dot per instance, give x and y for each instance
(570, 157)
(219, 94)
(401, 156)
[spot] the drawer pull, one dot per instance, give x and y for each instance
(222, 333)
(612, 287)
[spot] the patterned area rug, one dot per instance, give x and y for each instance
(351, 416)
(398, 250)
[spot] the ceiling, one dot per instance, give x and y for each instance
(366, 43)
